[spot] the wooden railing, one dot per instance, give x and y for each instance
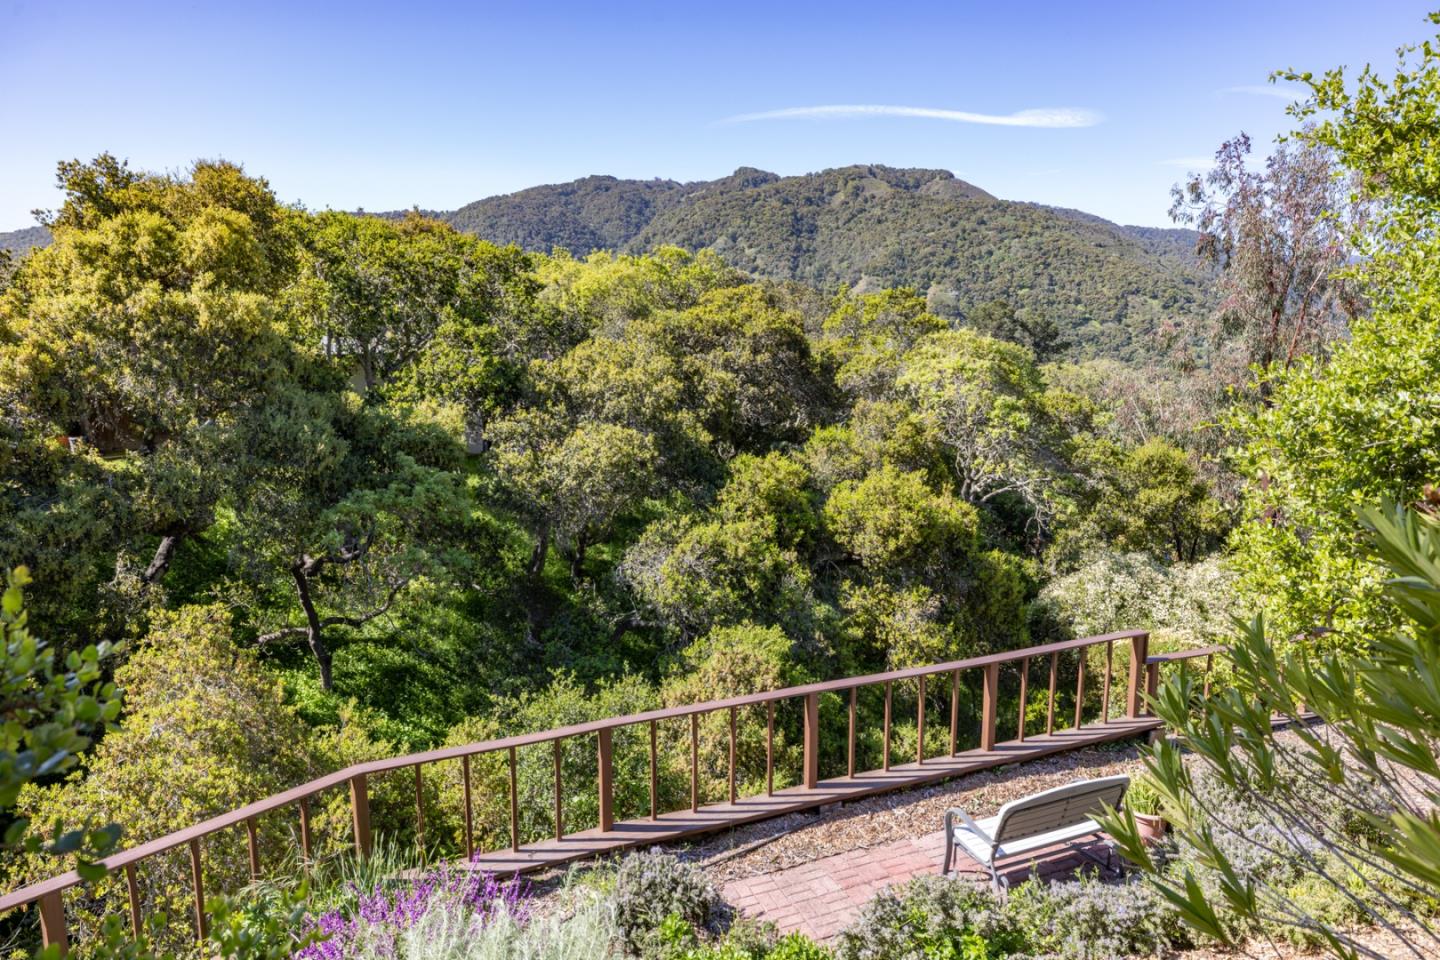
(1143, 674)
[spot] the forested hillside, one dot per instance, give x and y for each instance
(594, 213)
(19, 241)
(866, 227)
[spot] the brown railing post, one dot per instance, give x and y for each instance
(132, 887)
(989, 703)
(419, 814)
(1134, 692)
(605, 781)
(732, 755)
(885, 755)
(1024, 685)
(920, 726)
(850, 737)
(559, 793)
(1050, 707)
(469, 814)
(654, 776)
(252, 842)
(812, 740)
(52, 922)
(360, 814)
(305, 847)
(694, 763)
(514, 804)
(1152, 680)
(769, 748)
(1109, 669)
(954, 711)
(1080, 692)
(197, 878)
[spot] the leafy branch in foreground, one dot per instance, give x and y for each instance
(47, 712)
(1351, 799)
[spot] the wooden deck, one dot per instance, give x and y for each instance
(719, 816)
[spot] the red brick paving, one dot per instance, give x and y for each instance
(823, 897)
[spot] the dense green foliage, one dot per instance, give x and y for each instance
(1077, 280)
(1366, 425)
(52, 709)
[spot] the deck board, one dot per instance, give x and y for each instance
(719, 816)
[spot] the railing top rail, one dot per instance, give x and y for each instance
(1175, 655)
(236, 817)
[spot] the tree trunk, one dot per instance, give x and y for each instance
(159, 563)
(475, 441)
(577, 558)
(541, 551)
(313, 628)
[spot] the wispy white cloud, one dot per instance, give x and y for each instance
(1043, 117)
(1279, 91)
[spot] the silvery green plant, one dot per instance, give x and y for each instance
(652, 886)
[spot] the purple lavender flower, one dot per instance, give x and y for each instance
(381, 915)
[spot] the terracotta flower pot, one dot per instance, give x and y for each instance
(1151, 826)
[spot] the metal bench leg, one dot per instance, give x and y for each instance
(1106, 863)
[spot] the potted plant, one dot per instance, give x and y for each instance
(1143, 801)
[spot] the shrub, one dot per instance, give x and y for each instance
(934, 917)
(747, 942)
(651, 887)
(1142, 797)
(1192, 603)
(796, 946)
(925, 918)
(1088, 920)
(892, 521)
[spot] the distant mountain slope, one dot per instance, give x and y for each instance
(590, 214)
(1167, 242)
(19, 241)
(875, 226)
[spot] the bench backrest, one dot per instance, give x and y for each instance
(1058, 807)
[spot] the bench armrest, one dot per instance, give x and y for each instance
(950, 816)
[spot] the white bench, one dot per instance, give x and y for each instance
(1059, 815)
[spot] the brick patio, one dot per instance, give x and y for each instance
(823, 897)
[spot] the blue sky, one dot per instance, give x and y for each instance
(395, 104)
